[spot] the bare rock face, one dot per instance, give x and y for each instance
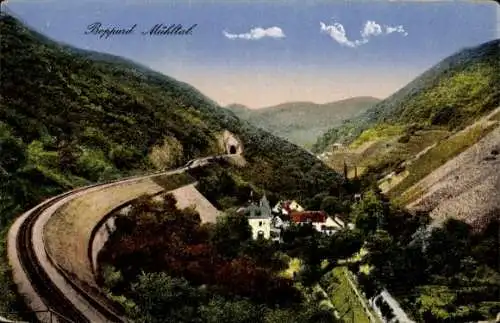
(467, 187)
(230, 143)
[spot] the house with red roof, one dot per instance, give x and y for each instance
(286, 207)
(320, 220)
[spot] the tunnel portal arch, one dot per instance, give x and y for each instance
(232, 145)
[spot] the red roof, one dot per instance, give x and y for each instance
(308, 216)
(286, 205)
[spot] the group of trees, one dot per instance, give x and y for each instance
(162, 298)
(225, 189)
(328, 203)
(175, 269)
(444, 274)
(314, 248)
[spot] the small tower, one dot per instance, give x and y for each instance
(265, 208)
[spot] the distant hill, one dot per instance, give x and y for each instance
(303, 122)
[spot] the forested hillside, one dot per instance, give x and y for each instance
(451, 94)
(70, 117)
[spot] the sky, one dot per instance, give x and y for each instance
(262, 53)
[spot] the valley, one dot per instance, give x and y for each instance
(303, 122)
(127, 195)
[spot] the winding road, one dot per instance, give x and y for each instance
(42, 281)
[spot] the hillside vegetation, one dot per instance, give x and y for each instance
(69, 117)
(303, 122)
(416, 130)
(452, 94)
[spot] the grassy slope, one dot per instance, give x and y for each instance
(344, 298)
(70, 117)
(303, 122)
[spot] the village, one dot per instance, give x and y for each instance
(269, 223)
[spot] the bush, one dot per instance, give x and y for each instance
(124, 157)
(404, 138)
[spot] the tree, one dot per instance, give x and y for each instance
(317, 314)
(310, 274)
(368, 284)
(231, 232)
(12, 153)
(265, 254)
(161, 298)
(307, 313)
(331, 205)
(124, 157)
(342, 245)
(380, 252)
(369, 213)
(314, 203)
(219, 310)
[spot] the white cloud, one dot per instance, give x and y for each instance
(337, 32)
(257, 33)
(396, 29)
(370, 29)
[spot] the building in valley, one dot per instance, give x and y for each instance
(261, 220)
(286, 207)
(319, 220)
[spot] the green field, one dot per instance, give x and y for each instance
(343, 298)
(377, 133)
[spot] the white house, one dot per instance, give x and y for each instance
(261, 226)
(260, 220)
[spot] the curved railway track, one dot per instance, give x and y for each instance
(40, 280)
(46, 291)
(42, 284)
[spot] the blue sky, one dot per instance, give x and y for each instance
(294, 60)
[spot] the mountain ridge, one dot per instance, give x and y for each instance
(294, 103)
(301, 122)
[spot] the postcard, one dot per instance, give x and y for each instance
(269, 161)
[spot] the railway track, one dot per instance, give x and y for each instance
(48, 292)
(41, 282)
(38, 281)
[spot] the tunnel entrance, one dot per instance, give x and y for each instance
(232, 150)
